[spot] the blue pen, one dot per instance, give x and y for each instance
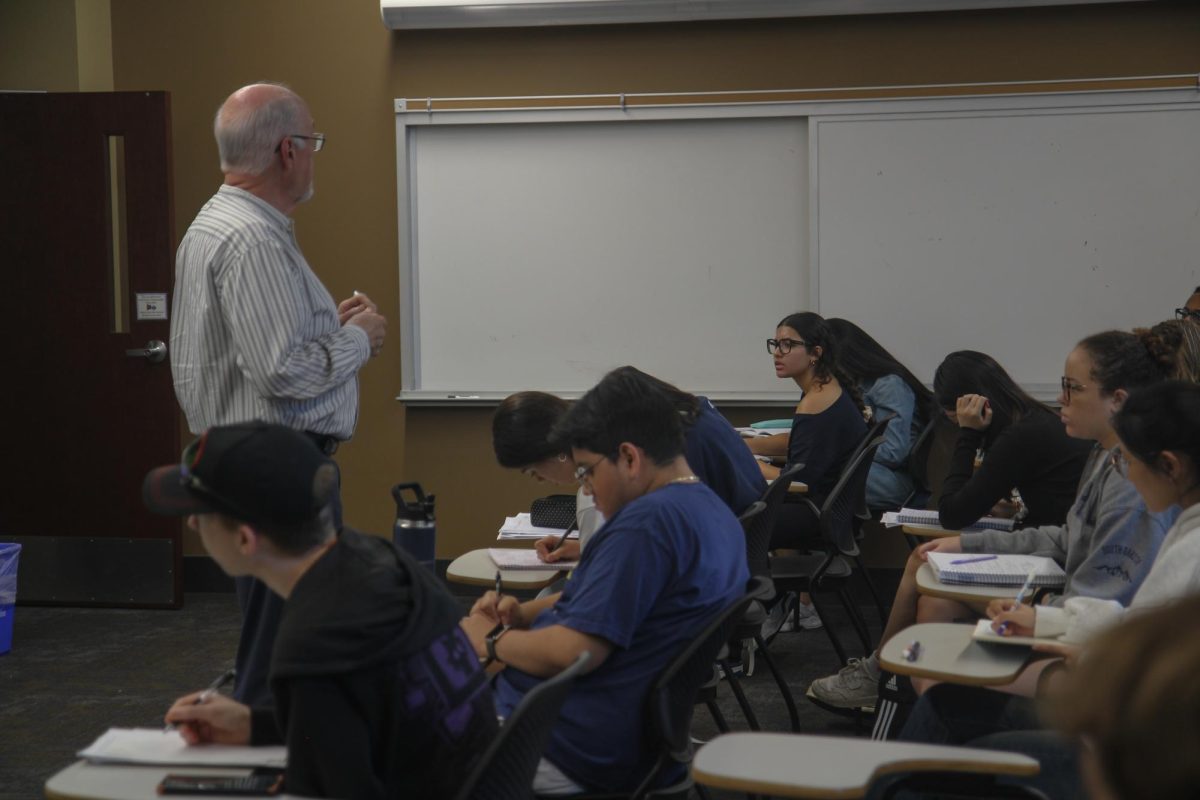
(1017, 603)
(974, 560)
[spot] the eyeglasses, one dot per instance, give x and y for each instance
(584, 474)
(1069, 386)
(1119, 464)
(318, 140)
(783, 346)
(1188, 313)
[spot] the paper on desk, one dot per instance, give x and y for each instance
(983, 633)
(520, 527)
(510, 558)
(156, 746)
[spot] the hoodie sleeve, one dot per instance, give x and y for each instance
(329, 747)
(1079, 619)
(1047, 540)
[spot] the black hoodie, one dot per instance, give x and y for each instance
(378, 692)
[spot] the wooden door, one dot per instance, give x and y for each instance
(87, 263)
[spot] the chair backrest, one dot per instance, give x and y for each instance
(506, 769)
(842, 504)
(758, 528)
(917, 465)
(671, 698)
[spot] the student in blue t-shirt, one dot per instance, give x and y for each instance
(670, 556)
(521, 440)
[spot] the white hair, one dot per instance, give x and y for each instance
(247, 134)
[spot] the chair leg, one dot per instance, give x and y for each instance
(833, 638)
(856, 619)
(718, 718)
(736, 687)
(788, 699)
(880, 605)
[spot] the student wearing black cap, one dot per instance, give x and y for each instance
(377, 691)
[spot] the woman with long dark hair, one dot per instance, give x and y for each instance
(888, 389)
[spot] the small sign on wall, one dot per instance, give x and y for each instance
(151, 305)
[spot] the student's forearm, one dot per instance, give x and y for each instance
(548, 651)
(775, 445)
(531, 608)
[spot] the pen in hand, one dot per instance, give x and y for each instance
(1025, 587)
(562, 539)
(222, 679)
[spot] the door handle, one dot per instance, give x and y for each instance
(155, 351)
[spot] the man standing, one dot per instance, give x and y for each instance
(378, 693)
(669, 558)
(254, 333)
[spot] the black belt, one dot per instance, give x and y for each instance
(325, 443)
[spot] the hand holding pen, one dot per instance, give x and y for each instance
(207, 695)
(1017, 617)
(551, 548)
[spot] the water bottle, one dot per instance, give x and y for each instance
(414, 529)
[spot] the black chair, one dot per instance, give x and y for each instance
(670, 700)
(917, 467)
(506, 769)
(831, 569)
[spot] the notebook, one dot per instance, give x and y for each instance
(983, 633)
(156, 746)
(1001, 570)
(511, 558)
(920, 516)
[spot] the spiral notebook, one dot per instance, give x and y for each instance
(920, 516)
(999, 570)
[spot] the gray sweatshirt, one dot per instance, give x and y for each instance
(1107, 545)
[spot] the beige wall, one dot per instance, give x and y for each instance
(341, 58)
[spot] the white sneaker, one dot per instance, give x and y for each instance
(780, 618)
(806, 616)
(856, 685)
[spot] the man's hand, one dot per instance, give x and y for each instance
(946, 544)
(356, 303)
(374, 324)
(569, 551)
(218, 720)
(973, 411)
(499, 608)
(1021, 619)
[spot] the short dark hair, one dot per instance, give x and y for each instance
(521, 428)
(1162, 416)
(625, 406)
(294, 539)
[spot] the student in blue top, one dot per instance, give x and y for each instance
(889, 389)
(670, 557)
(521, 439)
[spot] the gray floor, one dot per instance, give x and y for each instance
(73, 673)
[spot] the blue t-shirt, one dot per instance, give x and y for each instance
(648, 582)
(822, 442)
(720, 458)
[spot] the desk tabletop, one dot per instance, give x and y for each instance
(476, 568)
(928, 531)
(791, 765)
(85, 781)
(928, 584)
(948, 653)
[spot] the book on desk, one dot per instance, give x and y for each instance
(996, 570)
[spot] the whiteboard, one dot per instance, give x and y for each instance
(1016, 233)
(540, 248)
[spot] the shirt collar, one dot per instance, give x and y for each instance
(276, 216)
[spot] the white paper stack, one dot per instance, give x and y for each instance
(156, 746)
(511, 558)
(520, 527)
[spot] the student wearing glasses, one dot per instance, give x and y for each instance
(1191, 309)
(521, 440)
(1108, 540)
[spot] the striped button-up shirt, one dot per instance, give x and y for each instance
(254, 333)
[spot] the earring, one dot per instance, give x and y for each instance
(562, 457)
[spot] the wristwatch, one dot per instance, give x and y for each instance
(489, 642)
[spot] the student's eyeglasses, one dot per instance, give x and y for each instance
(783, 346)
(584, 474)
(1069, 386)
(318, 140)
(1188, 313)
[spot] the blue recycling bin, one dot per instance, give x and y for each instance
(9, 555)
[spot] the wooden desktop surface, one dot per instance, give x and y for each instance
(791, 765)
(85, 781)
(476, 568)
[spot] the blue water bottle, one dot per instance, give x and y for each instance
(415, 530)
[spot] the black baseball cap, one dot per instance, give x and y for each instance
(254, 472)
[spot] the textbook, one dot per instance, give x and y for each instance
(983, 633)
(920, 516)
(511, 558)
(996, 570)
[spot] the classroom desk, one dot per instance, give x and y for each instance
(928, 531)
(476, 568)
(85, 781)
(948, 653)
(794, 765)
(928, 584)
